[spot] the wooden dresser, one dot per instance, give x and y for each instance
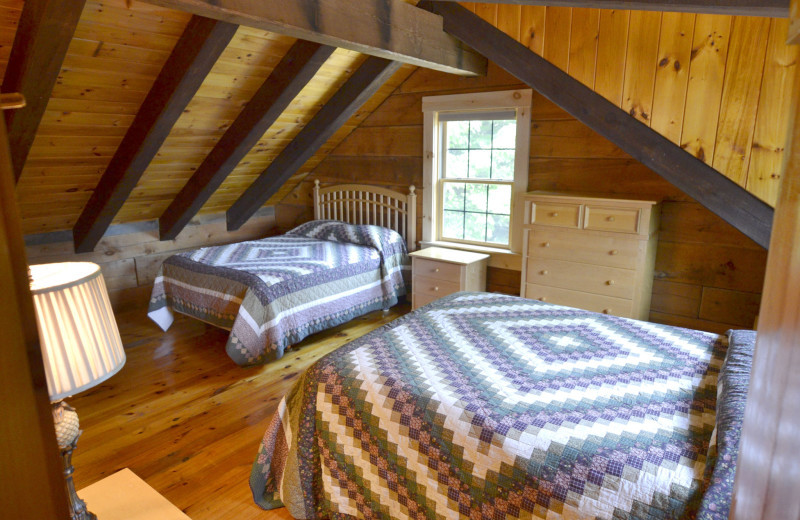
(437, 272)
(592, 253)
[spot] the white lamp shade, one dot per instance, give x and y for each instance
(80, 340)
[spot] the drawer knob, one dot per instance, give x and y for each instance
(554, 214)
(436, 288)
(545, 272)
(610, 282)
(611, 219)
(613, 252)
(542, 299)
(606, 311)
(546, 244)
(436, 270)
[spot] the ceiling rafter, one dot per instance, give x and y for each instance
(391, 29)
(294, 71)
(700, 181)
(191, 59)
(364, 82)
(768, 8)
(40, 45)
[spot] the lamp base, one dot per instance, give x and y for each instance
(67, 434)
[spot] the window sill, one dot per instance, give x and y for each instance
(500, 258)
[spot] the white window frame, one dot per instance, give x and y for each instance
(432, 106)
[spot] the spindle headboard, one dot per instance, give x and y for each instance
(362, 204)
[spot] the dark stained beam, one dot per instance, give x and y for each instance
(710, 188)
(391, 29)
(194, 54)
(769, 8)
(342, 105)
(293, 72)
(40, 44)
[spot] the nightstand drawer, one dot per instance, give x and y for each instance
(597, 279)
(622, 251)
(553, 214)
(580, 300)
(423, 299)
(422, 285)
(437, 269)
(600, 218)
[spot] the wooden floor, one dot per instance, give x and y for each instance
(186, 419)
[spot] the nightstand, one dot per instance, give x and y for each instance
(437, 272)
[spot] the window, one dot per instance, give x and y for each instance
(475, 162)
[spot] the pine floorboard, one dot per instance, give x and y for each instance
(186, 419)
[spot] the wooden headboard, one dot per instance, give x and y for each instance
(361, 204)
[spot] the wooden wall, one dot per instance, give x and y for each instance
(708, 275)
(719, 86)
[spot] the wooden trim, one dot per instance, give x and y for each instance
(794, 24)
(390, 29)
(768, 8)
(710, 188)
(40, 44)
(191, 59)
(766, 477)
(342, 105)
(288, 78)
(33, 485)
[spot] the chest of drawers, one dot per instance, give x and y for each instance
(437, 272)
(592, 253)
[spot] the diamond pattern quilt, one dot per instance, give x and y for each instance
(273, 292)
(490, 406)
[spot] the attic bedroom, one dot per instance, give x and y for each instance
(276, 209)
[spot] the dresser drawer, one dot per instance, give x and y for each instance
(580, 300)
(437, 269)
(623, 220)
(556, 214)
(422, 285)
(607, 281)
(577, 246)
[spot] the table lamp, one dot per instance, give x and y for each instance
(81, 348)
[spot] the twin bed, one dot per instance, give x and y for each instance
(478, 405)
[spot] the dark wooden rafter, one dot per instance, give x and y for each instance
(288, 78)
(191, 59)
(700, 181)
(40, 44)
(391, 29)
(768, 8)
(342, 105)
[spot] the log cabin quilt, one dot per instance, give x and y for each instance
(490, 406)
(273, 292)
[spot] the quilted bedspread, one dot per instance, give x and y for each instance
(273, 292)
(489, 406)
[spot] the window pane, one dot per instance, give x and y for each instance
(457, 134)
(480, 164)
(476, 197)
(475, 226)
(454, 196)
(505, 134)
(500, 199)
(456, 165)
(480, 134)
(503, 164)
(453, 224)
(497, 229)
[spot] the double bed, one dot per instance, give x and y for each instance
(271, 293)
(490, 406)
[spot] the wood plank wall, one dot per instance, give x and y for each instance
(708, 275)
(717, 85)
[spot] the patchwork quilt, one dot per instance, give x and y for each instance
(490, 406)
(273, 292)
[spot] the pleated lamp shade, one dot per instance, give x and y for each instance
(81, 346)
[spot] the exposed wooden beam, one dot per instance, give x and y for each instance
(391, 29)
(710, 188)
(194, 54)
(769, 8)
(293, 72)
(40, 44)
(343, 104)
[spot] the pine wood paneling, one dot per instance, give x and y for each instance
(532, 27)
(612, 46)
(672, 75)
(640, 64)
(508, 19)
(583, 45)
(558, 28)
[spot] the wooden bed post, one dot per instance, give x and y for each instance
(768, 468)
(411, 214)
(316, 200)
